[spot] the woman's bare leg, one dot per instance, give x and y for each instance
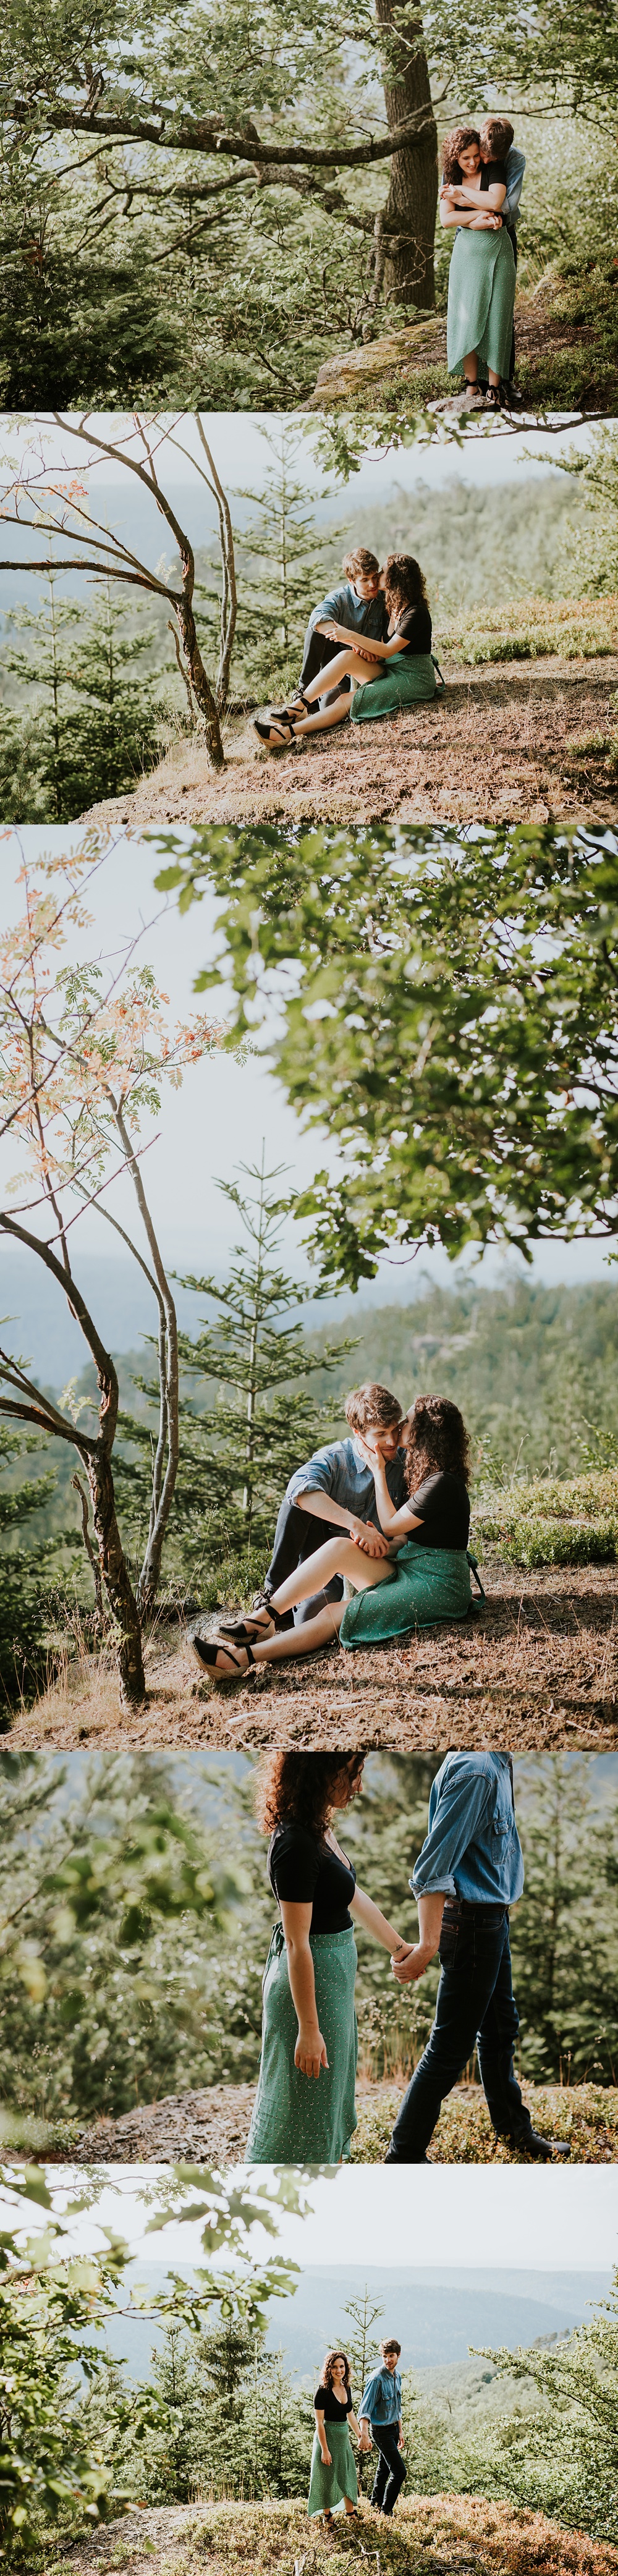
(338, 1556)
(346, 665)
(331, 673)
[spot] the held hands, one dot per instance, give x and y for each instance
(372, 1541)
(365, 2443)
(411, 1963)
(310, 2051)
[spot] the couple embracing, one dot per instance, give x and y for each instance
(367, 652)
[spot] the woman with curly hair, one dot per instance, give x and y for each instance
(481, 286)
(304, 2111)
(334, 2478)
(367, 678)
(425, 1574)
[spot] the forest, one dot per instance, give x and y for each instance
(199, 221)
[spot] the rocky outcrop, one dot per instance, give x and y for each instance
(398, 353)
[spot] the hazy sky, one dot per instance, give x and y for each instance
(224, 1109)
(451, 2215)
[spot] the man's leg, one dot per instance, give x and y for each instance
(297, 1536)
(392, 2470)
(469, 1971)
(497, 2034)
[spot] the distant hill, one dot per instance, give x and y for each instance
(436, 2315)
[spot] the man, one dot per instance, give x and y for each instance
(496, 144)
(357, 602)
(469, 1872)
(335, 1490)
(380, 2422)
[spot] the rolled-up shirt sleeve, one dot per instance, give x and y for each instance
(461, 1805)
(318, 1477)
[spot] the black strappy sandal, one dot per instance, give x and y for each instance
(276, 736)
(244, 1631)
(287, 715)
(205, 1651)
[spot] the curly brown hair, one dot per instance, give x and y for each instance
(461, 140)
(404, 586)
(437, 1442)
(296, 1788)
(327, 2372)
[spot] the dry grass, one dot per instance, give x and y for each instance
(502, 743)
(537, 1668)
(212, 2126)
(444, 2535)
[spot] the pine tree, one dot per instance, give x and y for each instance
(288, 563)
(237, 1456)
(98, 708)
(22, 1599)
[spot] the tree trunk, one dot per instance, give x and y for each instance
(413, 194)
(116, 1578)
(200, 684)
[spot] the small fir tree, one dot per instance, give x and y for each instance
(99, 708)
(236, 1457)
(287, 563)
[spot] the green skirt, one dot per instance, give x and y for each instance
(481, 297)
(427, 1583)
(327, 2487)
(408, 680)
(303, 2119)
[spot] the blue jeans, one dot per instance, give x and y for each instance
(391, 2469)
(475, 2006)
(297, 1536)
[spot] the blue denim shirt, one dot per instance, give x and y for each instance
(340, 1471)
(472, 1848)
(381, 2399)
(368, 616)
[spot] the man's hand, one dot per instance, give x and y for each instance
(310, 2051)
(365, 2443)
(413, 1965)
(372, 1541)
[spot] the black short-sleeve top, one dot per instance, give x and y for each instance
(493, 175)
(304, 1871)
(443, 1506)
(329, 2406)
(415, 625)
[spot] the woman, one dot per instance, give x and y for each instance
(425, 1575)
(305, 2111)
(481, 287)
(333, 2468)
(398, 672)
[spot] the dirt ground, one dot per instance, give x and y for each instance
(211, 2126)
(503, 743)
(536, 1667)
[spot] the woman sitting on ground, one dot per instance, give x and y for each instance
(379, 677)
(424, 1574)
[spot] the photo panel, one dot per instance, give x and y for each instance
(194, 2337)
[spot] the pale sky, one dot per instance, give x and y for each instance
(456, 2216)
(224, 1110)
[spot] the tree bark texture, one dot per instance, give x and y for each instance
(413, 194)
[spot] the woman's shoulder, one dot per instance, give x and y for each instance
(290, 1836)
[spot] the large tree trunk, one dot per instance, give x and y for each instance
(116, 1578)
(199, 682)
(413, 193)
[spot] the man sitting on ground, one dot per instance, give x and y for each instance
(335, 1489)
(358, 602)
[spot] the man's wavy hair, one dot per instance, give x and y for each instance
(359, 564)
(459, 141)
(371, 1408)
(296, 1788)
(404, 586)
(327, 2372)
(437, 1442)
